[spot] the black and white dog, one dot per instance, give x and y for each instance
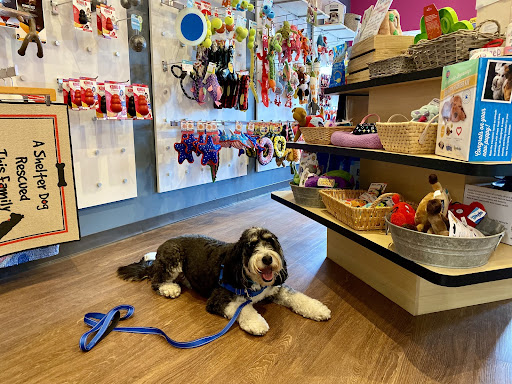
(253, 263)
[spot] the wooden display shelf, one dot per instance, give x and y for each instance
(499, 266)
(29, 91)
(364, 86)
(423, 161)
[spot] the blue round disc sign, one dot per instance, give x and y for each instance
(191, 26)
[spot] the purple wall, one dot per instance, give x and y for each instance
(412, 10)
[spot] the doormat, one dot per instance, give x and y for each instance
(37, 189)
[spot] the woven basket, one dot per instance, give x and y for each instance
(451, 48)
(409, 136)
(322, 135)
(361, 219)
(392, 66)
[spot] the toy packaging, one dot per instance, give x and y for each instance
(336, 12)
(131, 112)
(75, 94)
(497, 203)
(82, 15)
(142, 102)
(101, 106)
(475, 114)
(88, 89)
(65, 91)
(116, 100)
(108, 19)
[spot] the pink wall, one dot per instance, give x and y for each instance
(412, 10)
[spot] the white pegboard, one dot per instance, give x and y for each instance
(170, 104)
(73, 53)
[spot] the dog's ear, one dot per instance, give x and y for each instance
(233, 265)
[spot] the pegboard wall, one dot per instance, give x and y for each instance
(169, 104)
(103, 151)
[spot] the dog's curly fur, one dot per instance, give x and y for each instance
(256, 260)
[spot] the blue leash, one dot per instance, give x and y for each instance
(102, 324)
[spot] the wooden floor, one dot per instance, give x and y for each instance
(368, 340)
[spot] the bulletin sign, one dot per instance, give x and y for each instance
(37, 189)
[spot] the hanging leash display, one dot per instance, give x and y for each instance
(104, 323)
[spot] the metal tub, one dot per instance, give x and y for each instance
(307, 197)
(447, 252)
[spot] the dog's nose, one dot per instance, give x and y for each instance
(267, 260)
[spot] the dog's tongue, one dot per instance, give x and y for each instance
(267, 274)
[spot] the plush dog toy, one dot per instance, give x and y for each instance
(391, 24)
(462, 210)
(425, 113)
(421, 218)
(453, 110)
(402, 213)
(438, 222)
(299, 115)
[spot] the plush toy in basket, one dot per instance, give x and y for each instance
(314, 128)
(363, 136)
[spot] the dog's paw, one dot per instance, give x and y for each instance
(171, 290)
(315, 310)
(255, 325)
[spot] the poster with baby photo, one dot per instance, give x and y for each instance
(498, 82)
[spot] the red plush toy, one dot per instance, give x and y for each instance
(461, 210)
(402, 213)
(314, 121)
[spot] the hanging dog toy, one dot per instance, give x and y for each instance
(264, 70)
(252, 47)
(191, 26)
(273, 48)
(32, 35)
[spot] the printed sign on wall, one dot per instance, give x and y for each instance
(37, 189)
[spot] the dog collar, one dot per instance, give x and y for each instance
(238, 291)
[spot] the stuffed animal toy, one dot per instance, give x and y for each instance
(315, 121)
(391, 24)
(438, 222)
(421, 217)
(402, 213)
(497, 82)
(299, 115)
(425, 113)
(462, 210)
(286, 31)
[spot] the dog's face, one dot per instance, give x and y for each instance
(457, 113)
(263, 260)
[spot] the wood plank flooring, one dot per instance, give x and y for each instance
(368, 340)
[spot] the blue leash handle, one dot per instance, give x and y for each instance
(102, 324)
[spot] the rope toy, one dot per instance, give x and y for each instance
(267, 153)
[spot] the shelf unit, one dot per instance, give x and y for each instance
(297, 8)
(433, 162)
(417, 288)
(403, 78)
(336, 32)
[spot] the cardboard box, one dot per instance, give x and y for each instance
(497, 203)
(476, 115)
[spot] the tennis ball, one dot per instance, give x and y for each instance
(241, 32)
(216, 23)
(229, 20)
(251, 39)
(244, 4)
(252, 32)
(208, 24)
(250, 7)
(208, 33)
(234, 3)
(207, 43)
(250, 45)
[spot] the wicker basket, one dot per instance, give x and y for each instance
(451, 48)
(392, 66)
(410, 137)
(322, 135)
(361, 219)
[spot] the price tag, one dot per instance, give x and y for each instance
(136, 22)
(187, 66)
(201, 127)
(230, 67)
(432, 21)
(477, 215)
(324, 182)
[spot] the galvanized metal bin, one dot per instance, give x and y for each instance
(447, 252)
(308, 197)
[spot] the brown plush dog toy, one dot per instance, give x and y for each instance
(422, 217)
(438, 222)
